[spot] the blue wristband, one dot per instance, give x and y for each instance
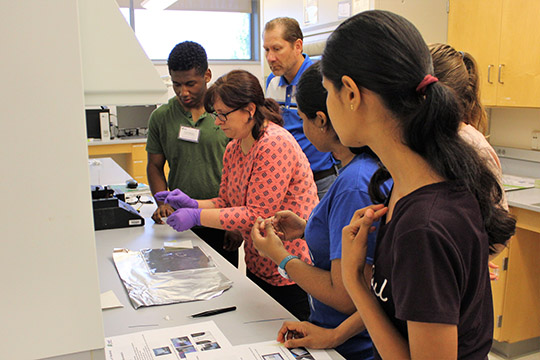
(282, 265)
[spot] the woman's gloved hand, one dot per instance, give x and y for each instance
(178, 200)
(184, 219)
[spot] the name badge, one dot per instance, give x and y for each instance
(189, 134)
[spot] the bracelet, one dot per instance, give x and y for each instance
(284, 262)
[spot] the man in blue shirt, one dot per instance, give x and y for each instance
(283, 46)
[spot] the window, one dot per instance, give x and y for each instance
(224, 35)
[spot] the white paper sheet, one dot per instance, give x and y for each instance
(168, 343)
(110, 301)
(178, 244)
(269, 350)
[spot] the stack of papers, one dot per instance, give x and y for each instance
(512, 182)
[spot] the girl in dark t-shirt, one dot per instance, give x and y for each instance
(430, 295)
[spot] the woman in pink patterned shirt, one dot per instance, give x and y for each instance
(264, 171)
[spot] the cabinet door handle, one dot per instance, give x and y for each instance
(500, 70)
(489, 74)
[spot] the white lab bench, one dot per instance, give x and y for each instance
(258, 316)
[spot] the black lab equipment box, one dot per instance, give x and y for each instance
(110, 210)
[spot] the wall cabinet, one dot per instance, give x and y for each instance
(504, 38)
(131, 156)
(138, 162)
(516, 293)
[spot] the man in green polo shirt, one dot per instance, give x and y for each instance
(182, 133)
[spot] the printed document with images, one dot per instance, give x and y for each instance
(270, 350)
(166, 344)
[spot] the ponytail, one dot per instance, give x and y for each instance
(432, 133)
(477, 116)
(459, 71)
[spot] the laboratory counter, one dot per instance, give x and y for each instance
(258, 317)
(528, 199)
(115, 141)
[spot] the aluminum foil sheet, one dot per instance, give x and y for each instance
(163, 276)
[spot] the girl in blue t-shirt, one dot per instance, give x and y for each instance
(329, 302)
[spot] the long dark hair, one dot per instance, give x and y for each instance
(385, 53)
(237, 89)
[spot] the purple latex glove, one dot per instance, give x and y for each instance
(178, 200)
(161, 195)
(184, 219)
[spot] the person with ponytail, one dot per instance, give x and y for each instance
(430, 295)
(264, 171)
(458, 70)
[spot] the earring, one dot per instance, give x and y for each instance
(322, 129)
(352, 107)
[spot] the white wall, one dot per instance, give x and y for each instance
(50, 295)
(429, 16)
(513, 127)
(220, 68)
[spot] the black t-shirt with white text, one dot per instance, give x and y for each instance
(431, 266)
